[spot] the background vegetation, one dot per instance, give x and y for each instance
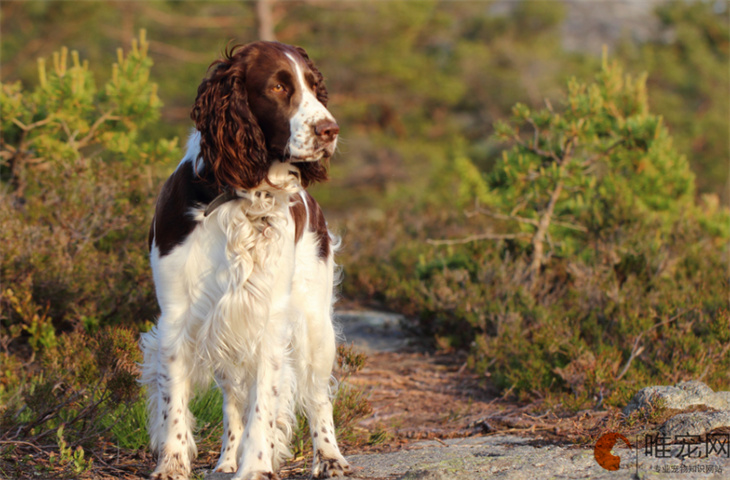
(558, 214)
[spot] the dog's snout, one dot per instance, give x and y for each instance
(326, 130)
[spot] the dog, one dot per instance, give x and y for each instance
(243, 267)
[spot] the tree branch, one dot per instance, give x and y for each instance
(27, 128)
(476, 238)
(500, 216)
(637, 349)
(92, 131)
(539, 238)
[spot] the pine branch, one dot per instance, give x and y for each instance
(476, 238)
(500, 216)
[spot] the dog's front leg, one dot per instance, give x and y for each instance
(262, 441)
(234, 401)
(166, 374)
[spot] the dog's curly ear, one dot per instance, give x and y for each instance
(232, 145)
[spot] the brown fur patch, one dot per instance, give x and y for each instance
(172, 222)
(316, 224)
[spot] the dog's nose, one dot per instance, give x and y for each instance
(327, 130)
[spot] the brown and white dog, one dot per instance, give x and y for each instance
(244, 271)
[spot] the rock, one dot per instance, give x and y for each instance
(427, 475)
(372, 331)
(679, 397)
(695, 423)
(508, 457)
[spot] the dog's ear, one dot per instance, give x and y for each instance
(232, 145)
(321, 89)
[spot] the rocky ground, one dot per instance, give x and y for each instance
(434, 420)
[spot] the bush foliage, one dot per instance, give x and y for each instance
(77, 188)
(595, 273)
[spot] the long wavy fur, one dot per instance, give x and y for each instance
(231, 142)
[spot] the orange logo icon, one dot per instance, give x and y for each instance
(602, 451)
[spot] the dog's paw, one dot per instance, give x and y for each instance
(168, 476)
(330, 467)
(226, 467)
(172, 467)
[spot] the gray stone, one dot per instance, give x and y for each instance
(679, 397)
(427, 475)
(372, 331)
(508, 457)
(695, 423)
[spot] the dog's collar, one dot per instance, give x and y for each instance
(227, 195)
(232, 194)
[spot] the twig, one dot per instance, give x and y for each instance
(539, 237)
(92, 131)
(635, 352)
(529, 221)
(539, 151)
(476, 238)
(605, 152)
(27, 128)
(20, 442)
(501, 216)
(571, 226)
(636, 349)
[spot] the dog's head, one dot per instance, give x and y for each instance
(263, 102)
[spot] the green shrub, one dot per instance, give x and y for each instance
(78, 182)
(601, 169)
(587, 269)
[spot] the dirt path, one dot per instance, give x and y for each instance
(418, 394)
(415, 394)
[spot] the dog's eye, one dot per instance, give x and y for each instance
(279, 88)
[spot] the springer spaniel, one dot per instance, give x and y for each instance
(244, 271)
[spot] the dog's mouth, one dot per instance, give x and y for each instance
(320, 153)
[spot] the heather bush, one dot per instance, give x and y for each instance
(77, 182)
(581, 265)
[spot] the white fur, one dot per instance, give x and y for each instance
(241, 301)
(302, 142)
